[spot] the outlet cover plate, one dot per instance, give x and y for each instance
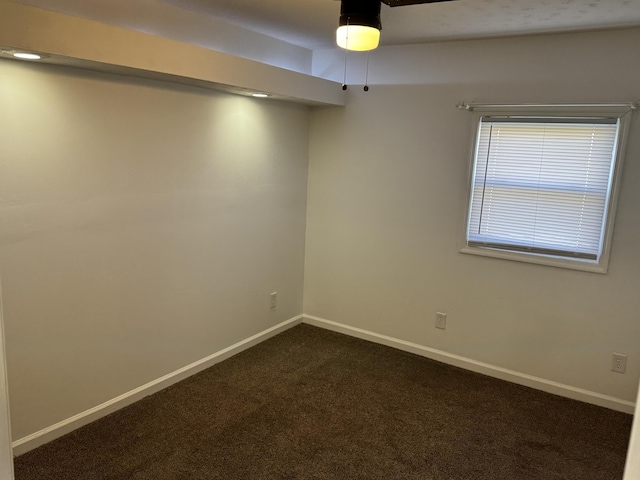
(441, 320)
(619, 363)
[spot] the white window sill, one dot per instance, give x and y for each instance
(550, 261)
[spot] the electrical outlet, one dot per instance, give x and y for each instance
(619, 364)
(274, 299)
(441, 320)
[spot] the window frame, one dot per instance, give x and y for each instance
(619, 112)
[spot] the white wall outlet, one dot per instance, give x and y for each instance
(441, 320)
(619, 363)
(274, 299)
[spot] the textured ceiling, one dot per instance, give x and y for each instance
(312, 23)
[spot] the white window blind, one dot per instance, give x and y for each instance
(542, 185)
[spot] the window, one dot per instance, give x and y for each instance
(543, 185)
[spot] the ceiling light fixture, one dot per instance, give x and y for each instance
(26, 55)
(360, 22)
(260, 95)
(360, 25)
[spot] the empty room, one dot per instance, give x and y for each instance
(319, 239)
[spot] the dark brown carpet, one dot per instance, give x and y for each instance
(312, 404)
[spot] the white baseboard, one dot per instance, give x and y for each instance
(549, 386)
(48, 434)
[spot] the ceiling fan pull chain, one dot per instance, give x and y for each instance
(366, 81)
(344, 81)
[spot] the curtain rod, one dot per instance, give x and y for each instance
(472, 106)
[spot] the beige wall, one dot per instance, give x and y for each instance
(144, 226)
(387, 192)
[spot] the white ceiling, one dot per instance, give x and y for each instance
(312, 23)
